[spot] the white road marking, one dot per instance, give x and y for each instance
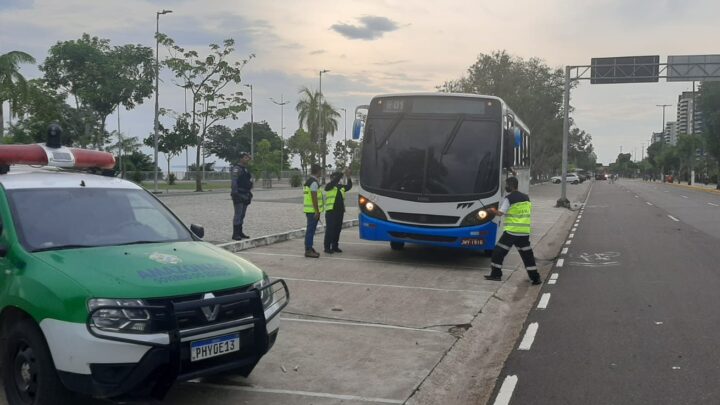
(714, 205)
(564, 251)
(304, 393)
(683, 196)
(579, 216)
(560, 263)
(574, 229)
(568, 242)
(554, 276)
(673, 218)
(637, 197)
(552, 281)
(666, 191)
(376, 285)
(529, 336)
(572, 235)
(506, 390)
(364, 324)
(648, 203)
(544, 301)
(658, 323)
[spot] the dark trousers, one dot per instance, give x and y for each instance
(333, 226)
(502, 248)
(240, 210)
(310, 231)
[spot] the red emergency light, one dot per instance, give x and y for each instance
(40, 154)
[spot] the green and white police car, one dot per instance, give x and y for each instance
(104, 292)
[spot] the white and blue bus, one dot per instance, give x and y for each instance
(433, 163)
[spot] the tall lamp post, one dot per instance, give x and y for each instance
(157, 103)
(345, 143)
(320, 125)
(282, 125)
(252, 122)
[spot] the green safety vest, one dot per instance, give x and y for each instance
(517, 219)
(307, 200)
(330, 197)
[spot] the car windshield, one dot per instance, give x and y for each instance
(63, 218)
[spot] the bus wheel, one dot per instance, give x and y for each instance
(397, 245)
(29, 375)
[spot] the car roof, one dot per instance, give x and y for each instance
(27, 177)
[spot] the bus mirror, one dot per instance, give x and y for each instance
(357, 128)
(508, 150)
(518, 137)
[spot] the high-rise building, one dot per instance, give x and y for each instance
(671, 132)
(689, 115)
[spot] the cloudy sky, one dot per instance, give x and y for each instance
(383, 46)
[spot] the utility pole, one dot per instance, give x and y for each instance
(252, 122)
(663, 106)
(157, 102)
(282, 139)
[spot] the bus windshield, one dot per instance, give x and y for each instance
(435, 156)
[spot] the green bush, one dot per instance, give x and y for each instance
(137, 177)
(295, 180)
(171, 179)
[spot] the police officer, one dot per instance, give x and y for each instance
(241, 184)
(517, 210)
(312, 207)
(335, 209)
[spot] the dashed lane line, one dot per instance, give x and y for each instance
(673, 218)
(560, 263)
(506, 390)
(544, 301)
(564, 251)
(529, 337)
(714, 205)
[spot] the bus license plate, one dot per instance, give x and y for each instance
(217, 346)
(472, 242)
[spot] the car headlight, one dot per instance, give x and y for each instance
(266, 294)
(118, 315)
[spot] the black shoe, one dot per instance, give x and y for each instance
(536, 281)
(328, 251)
(337, 250)
(237, 237)
(312, 253)
(493, 278)
(237, 232)
(243, 236)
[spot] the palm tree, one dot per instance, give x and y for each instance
(319, 117)
(13, 87)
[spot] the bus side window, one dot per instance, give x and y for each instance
(508, 149)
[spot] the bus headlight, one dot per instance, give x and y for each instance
(482, 214)
(478, 217)
(371, 209)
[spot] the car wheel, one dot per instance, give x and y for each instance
(397, 245)
(28, 371)
(575, 182)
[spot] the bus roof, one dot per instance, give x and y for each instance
(518, 121)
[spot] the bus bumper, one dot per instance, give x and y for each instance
(481, 237)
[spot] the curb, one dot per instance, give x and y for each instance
(237, 246)
(707, 190)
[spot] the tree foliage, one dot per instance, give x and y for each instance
(228, 143)
(100, 78)
(13, 86)
(320, 119)
(710, 105)
(535, 92)
(302, 145)
(210, 79)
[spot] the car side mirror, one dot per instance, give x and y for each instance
(198, 230)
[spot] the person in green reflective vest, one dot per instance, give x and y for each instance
(517, 210)
(312, 207)
(335, 210)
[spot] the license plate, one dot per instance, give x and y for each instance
(472, 242)
(217, 346)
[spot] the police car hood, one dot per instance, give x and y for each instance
(153, 270)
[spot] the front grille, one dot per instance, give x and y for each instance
(193, 318)
(424, 218)
(425, 238)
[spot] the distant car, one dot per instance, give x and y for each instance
(571, 178)
(601, 176)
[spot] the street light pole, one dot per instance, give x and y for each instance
(157, 102)
(252, 122)
(282, 139)
(663, 106)
(320, 126)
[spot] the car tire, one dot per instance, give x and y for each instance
(397, 245)
(575, 182)
(28, 372)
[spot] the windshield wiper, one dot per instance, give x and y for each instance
(451, 136)
(139, 242)
(62, 247)
(390, 131)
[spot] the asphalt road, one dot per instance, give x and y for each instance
(632, 315)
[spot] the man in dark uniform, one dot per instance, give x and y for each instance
(241, 184)
(517, 210)
(335, 209)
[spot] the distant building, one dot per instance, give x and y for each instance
(658, 137)
(671, 133)
(689, 115)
